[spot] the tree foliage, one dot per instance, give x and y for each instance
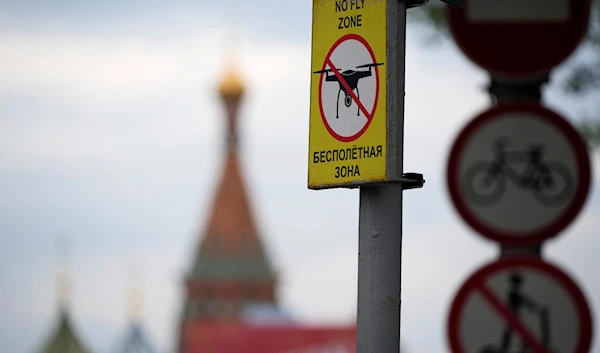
(582, 78)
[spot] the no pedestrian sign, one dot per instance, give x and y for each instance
(347, 145)
(519, 305)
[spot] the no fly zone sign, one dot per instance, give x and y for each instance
(347, 143)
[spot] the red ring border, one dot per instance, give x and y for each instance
(581, 304)
(566, 218)
(327, 57)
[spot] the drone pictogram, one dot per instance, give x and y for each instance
(351, 77)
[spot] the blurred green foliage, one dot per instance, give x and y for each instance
(582, 77)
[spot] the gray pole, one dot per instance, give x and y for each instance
(510, 92)
(380, 218)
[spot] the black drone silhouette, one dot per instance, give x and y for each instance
(351, 77)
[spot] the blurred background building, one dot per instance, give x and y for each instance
(231, 300)
(231, 271)
(63, 336)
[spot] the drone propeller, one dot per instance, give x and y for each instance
(323, 71)
(369, 65)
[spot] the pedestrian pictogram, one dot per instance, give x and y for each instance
(518, 39)
(519, 305)
(349, 68)
(518, 174)
(348, 135)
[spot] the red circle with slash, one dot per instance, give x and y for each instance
(368, 115)
(477, 303)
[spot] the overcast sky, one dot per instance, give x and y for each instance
(111, 132)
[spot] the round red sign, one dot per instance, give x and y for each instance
(518, 174)
(520, 302)
(517, 39)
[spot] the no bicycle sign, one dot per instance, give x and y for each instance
(348, 94)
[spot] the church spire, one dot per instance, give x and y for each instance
(231, 91)
(63, 339)
(231, 268)
(231, 88)
(136, 339)
(63, 285)
(135, 296)
(231, 233)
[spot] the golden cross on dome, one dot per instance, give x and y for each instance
(134, 295)
(63, 284)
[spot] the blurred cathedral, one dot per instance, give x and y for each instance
(230, 302)
(231, 272)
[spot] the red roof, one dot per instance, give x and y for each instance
(211, 338)
(231, 222)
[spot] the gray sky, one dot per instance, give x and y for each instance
(110, 131)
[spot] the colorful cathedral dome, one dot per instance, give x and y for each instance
(231, 85)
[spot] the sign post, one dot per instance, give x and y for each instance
(356, 140)
(519, 174)
(380, 213)
(356, 125)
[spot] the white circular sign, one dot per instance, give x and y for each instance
(349, 88)
(519, 173)
(519, 305)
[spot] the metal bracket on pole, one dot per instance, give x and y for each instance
(535, 250)
(412, 181)
(415, 3)
(408, 181)
(459, 4)
(501, 91)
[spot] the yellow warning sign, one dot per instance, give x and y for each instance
(347, 136)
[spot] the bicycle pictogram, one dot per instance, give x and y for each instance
(550, 182)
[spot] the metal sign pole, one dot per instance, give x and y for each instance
(380, 218)
(514, 91)
(379, 263)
